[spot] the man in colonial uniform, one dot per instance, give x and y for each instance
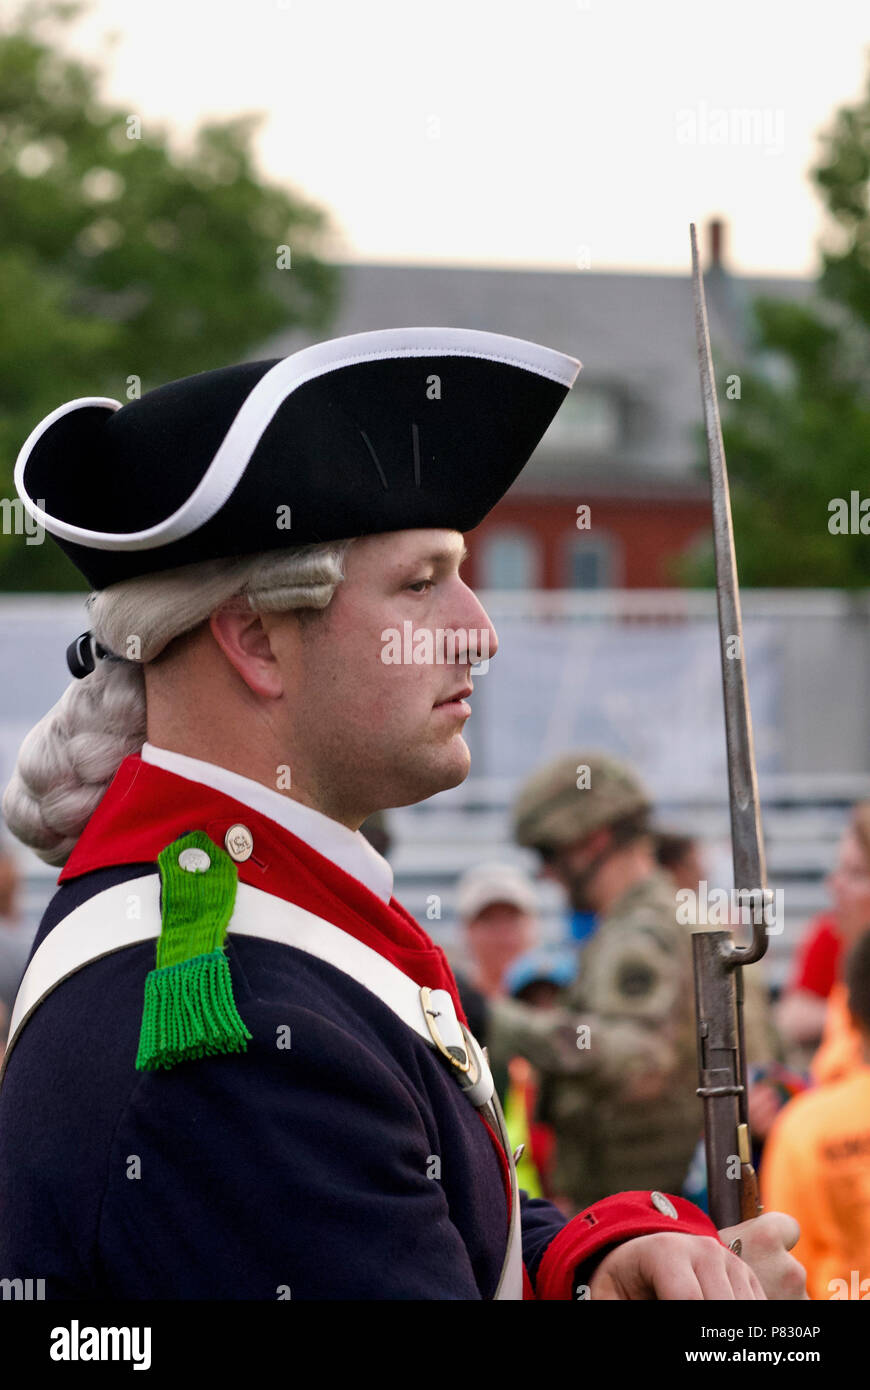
(238, 1069)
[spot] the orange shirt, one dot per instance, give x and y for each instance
(816, 1166)
(840, 1049)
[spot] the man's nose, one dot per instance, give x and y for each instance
(482, 636)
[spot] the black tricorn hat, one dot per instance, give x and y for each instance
(392, 430)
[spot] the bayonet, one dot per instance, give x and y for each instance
(718, 959)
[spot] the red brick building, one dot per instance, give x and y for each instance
(633, 541)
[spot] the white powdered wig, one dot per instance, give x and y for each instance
(67, 761)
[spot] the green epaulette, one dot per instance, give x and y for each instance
(189, 1007)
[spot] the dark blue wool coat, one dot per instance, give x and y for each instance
(306, 1172)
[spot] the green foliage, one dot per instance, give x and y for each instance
(800, 434)
(122, 256)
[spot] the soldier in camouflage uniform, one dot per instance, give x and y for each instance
(618, 1057)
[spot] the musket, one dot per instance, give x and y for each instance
(718, 960)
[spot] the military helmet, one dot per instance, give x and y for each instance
(573, 796)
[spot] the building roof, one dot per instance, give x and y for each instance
(633, 332)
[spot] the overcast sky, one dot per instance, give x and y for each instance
(563, 133)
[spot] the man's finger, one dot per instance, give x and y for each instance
(679, 1285)
(713, 1279)
(789, 1228)
(605, 1289)
(745, 1282)
(772, 1229)
(757, 1285)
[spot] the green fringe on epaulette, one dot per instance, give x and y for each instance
(189, 1012)
(189, 1008)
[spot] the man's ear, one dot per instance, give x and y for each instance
(248, 647)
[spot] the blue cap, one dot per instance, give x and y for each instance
(555, 967)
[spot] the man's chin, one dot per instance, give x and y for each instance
(445, 771)
(457, 775)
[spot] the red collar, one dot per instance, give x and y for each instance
(146, 807)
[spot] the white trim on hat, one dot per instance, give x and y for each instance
(262, 404)
(54, 525)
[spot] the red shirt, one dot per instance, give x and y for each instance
(818, 956)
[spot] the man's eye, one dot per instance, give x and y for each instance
(425, 583)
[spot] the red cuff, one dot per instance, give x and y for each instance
(609, 1222)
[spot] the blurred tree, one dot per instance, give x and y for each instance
(122, 258)
(799, 436)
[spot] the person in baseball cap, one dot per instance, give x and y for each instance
(538, 976)
(498, 908)
(489, 883)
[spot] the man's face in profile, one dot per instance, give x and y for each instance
(388, 728)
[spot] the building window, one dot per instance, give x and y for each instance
(591, 563)
(508, 560)
(588, 421)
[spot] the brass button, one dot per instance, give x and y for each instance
(239, 843)
(664, 1205)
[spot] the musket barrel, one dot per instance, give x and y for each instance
(720, 1082)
